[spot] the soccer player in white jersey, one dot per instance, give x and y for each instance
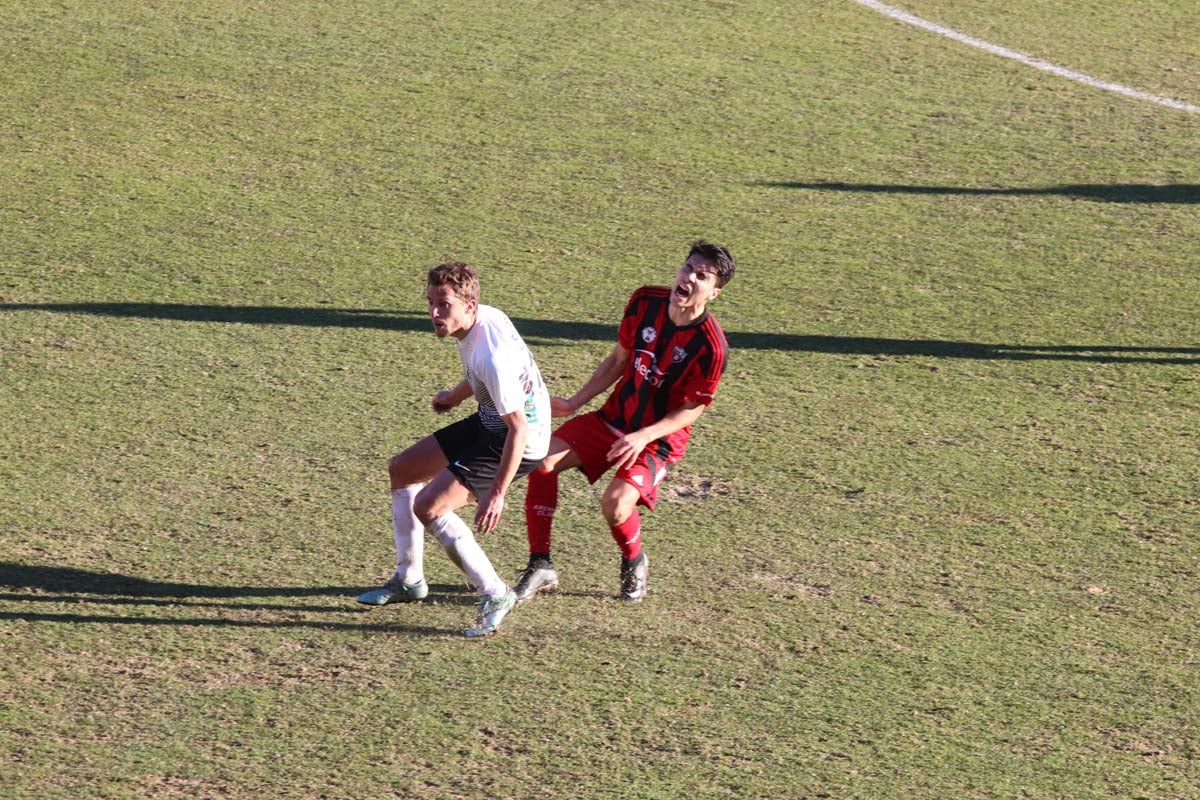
(476, 458)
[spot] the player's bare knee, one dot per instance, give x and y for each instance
(396, 472)
(616, 507)
(541, 474)
(426, 508)
(403, 471)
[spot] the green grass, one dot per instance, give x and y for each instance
(936, 539)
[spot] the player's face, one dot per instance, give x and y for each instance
(451, 315)
(695, 284)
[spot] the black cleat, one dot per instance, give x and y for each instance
(538, 578)
(633, 577)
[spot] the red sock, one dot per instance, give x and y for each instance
(629, 535)
(541, 501)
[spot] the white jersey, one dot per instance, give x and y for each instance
(505, 378)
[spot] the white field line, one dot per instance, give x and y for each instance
(1036, 63)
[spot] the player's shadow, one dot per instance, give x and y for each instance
(1171, 193)
(45, 584)
(382, 626)
(940, 348)
(311, 317)
(558, 330)
(69, 580)
(59, 584)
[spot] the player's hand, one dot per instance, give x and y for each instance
(443, 401)
(487, 514)
(625, 451)
(561, 407)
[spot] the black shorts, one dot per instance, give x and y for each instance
(474, 453)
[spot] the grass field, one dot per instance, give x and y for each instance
(937, 538)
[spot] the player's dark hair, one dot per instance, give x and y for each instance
(460, 277)
(717, 255)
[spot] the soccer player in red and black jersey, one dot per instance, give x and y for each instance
(669, 357)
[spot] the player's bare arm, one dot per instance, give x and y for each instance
(447, 399)
(625, 450)
(487, 515)
(610, 369)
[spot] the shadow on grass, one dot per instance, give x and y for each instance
(534, 329)
(76, 586)
(219, 622)
(1171, 193)
(68, 580)
(104, 600)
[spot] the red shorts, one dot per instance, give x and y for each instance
(591, 438)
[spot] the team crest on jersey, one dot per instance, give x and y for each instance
(678, 354)
(649, 334)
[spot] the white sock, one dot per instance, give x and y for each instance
(460, 544)
(409, 535)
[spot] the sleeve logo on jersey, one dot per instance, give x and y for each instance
(649, 334)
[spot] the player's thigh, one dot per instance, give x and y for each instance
(560, 456)
(618, 501)
(417, 464)
(441, 495)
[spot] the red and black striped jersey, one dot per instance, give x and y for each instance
(668, 366)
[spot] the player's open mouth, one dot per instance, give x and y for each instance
(681, 292)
